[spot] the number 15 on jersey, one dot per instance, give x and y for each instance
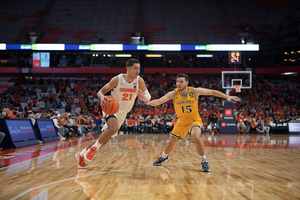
(186, 109)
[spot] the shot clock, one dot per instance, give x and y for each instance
(234, 57)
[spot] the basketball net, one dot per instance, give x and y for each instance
(237, 89)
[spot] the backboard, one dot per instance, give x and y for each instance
(231, 78)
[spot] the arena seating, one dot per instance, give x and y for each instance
(18, 16)
(165, 22)
(5, 84)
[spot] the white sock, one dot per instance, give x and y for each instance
(83, 152)
(203, 158)
(97, 145)
(164, 155)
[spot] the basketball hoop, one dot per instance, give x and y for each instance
(237, 88)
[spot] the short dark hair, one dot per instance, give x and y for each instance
(184, 76)
(131, 62)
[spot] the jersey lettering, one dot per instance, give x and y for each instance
(127, 90)
(186, 108)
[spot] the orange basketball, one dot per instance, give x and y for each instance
(111, 106)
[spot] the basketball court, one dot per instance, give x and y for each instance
(242, 167)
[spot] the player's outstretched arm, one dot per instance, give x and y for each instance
(162, 100)
(106, 88)
(203, 91)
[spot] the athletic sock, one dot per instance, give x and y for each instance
(164, 155)
(97, 145)
(83, 152)
(203, 158)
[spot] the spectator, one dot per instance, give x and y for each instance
(157, 126)
(213, 122)
(66, 124)
(92, 124)
(247, 122)
(56, 120)
(72, 124)
(259, 128)
(168, 124)
(84, 124)
(261, 121)
(68, 108)
(252, 126)
(73, 108)
(162, 124)
(136, 124)
(78, 110)
(293, 119)
(148, 125)
(130, 125)
(10, 114)
(240, 125)
(269, 121)
(142, 124)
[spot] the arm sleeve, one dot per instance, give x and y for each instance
(147, 95)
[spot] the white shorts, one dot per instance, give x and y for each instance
(120, 117)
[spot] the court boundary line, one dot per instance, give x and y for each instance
(118, 170)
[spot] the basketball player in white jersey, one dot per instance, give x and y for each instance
(126, 87)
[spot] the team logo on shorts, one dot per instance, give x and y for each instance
(191, 94)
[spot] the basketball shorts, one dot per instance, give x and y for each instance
(120, 117)
(182, 128)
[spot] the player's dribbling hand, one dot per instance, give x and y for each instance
(233, 98)
(103, 100)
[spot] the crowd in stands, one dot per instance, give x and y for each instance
(73, 104)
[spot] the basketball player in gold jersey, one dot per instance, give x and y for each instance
(185, 101)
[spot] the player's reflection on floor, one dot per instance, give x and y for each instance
(235, 184)
(165, 174)
(87, 188)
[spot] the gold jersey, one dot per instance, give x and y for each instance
(186, 108)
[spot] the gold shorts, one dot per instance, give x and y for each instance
(182, 128)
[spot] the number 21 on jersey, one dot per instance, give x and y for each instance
(126, 97)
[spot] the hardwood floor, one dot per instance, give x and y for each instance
(242, 167)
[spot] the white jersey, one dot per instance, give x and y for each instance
(126, 93)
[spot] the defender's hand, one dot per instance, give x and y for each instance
(233, 98)
(141, 95)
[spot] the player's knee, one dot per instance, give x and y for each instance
(113, 129)
(195, 134)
